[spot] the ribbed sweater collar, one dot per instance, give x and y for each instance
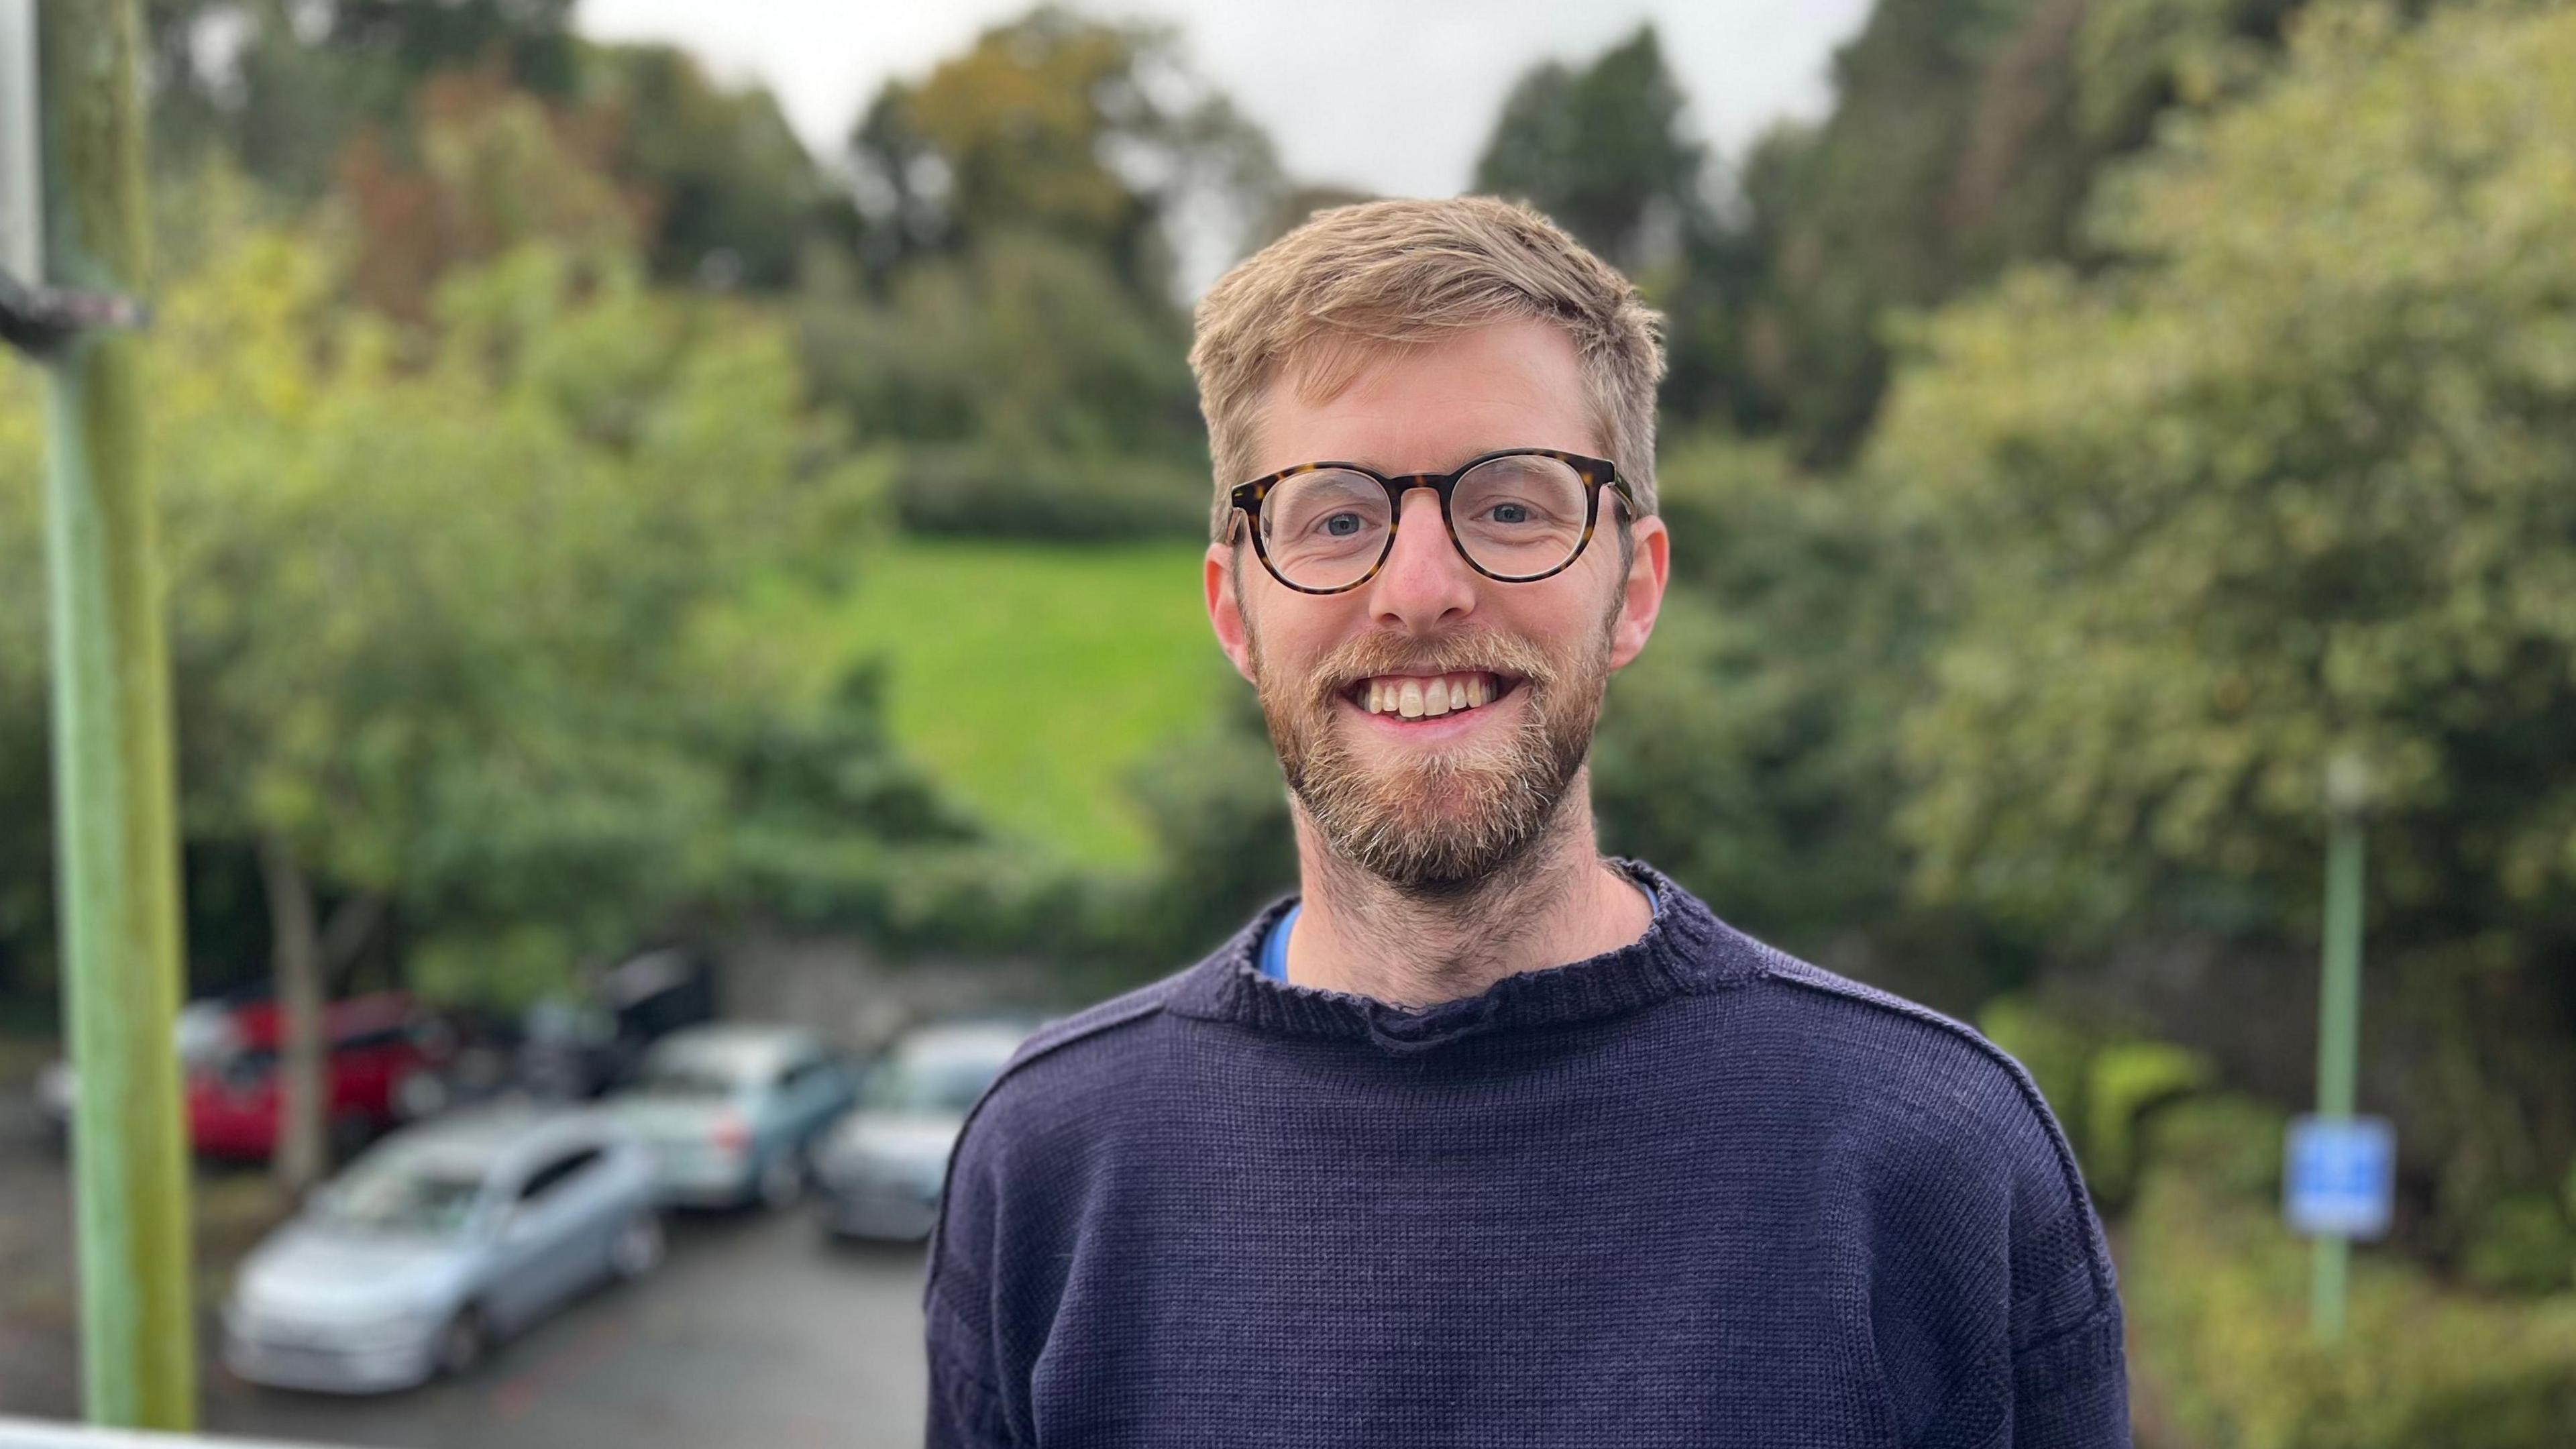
(1685, 951)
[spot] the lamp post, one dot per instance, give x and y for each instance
(71, 243)
(2339, 1012)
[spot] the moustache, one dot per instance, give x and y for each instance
(1514, 660)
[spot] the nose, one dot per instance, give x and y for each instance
(1425, 584)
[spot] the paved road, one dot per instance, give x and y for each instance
(755, 1331)
(39, 1360)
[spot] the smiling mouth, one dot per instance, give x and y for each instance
(1428, 696)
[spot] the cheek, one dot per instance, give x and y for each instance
(1292, 633)
(1561, 622)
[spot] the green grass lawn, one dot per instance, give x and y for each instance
(1034, 678)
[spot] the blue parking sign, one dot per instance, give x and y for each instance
(2341, 1176)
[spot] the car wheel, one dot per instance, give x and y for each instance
(463, 1342)
(782, 1181)
(639, 1246)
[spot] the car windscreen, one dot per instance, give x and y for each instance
(399, 1198)
(686, 1079)
(556, 1022)
(939, 1084)
(246, 1065)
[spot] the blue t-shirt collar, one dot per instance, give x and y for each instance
(1274, 946)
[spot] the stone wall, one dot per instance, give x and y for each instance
(860, 1000)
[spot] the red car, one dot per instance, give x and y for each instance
(382, 1070)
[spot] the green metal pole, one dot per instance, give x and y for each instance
(2338, 1046)
(116, 853)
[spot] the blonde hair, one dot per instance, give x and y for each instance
(1356, 280)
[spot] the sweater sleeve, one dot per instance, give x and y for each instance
(2083, 1402)
(967, 1406)
(965, 1409)
(2070, 1375)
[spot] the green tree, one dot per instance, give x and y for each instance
(731, 197)
(1035, 393)
(490, 168)
(1604, 150)
(1752, 750)
(1963, 138)
(280, 86)
(1858, 208)
(1601, 150)
(365, 101)
(2288, 481)
(1096, 134)
(436, 599)
(1013, 322)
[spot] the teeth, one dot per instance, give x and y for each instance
(1431, 698)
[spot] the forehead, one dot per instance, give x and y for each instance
(1430, 406)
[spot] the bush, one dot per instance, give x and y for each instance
(1749, 751)
(2125, 1081)
(1222, 848)
(2101, 1087)
(2217, 1295)
(2280, 479)
(989, 492)
(2230, 1145)
(1223, 844)
(2523, 1244)
(1006, 361)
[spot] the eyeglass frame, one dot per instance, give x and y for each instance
(1245, 499)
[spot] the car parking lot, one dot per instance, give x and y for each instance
(757, 1329)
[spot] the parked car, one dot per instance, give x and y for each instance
(437, 1243)
(731, 1110)
(383, 1055)
(882, 1167)
(587, 1046)
(203, 1033)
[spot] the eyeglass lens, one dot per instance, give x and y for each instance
(1513, 516)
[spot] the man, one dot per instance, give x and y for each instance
(1485, 1139)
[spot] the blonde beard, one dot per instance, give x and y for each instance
(1463, 815)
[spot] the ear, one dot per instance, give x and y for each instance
(1225, 615)
(1641, 593)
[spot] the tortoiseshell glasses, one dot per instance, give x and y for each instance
(1516, 516)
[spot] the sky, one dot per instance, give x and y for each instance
(1388, 96)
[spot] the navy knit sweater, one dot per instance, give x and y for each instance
(1692, 1191)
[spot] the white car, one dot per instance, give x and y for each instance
(883, 1167)
(438, 1241)
(731, 1110)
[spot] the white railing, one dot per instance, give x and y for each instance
(46, 1434)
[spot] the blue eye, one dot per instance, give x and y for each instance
(1511, 513)
(1335, 525)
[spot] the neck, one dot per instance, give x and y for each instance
(1558, 902)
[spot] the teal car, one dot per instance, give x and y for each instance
(730, 1111)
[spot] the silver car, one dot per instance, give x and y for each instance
(731, 1110)
(438, 1241)
(882, 1167)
